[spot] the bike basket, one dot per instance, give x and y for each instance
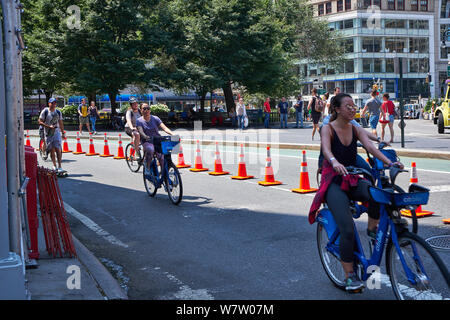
(390, 154)
(411, 199)
(170, 144)
(380, 196)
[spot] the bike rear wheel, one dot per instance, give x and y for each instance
(174, 185)
(133, 158)
(430, 273)
(150, 182)
(331, 263)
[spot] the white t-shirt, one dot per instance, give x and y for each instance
(51, 119)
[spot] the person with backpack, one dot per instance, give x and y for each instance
(133, 113)
(51, 122)
(299, 111)
(316, 107)
(374, 107)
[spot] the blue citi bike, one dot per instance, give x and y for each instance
(415, 270)
(168, 176)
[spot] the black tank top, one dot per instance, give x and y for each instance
(346, 155)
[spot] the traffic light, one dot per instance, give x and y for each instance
(428, 79)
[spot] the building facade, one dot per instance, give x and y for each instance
(376, 33)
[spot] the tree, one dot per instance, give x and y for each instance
(249, 43)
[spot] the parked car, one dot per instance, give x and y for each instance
(442, 113)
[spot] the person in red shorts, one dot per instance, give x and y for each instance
(389, 110)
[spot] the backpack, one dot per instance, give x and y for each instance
(318, 105)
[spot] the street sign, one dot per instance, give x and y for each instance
(402, 124)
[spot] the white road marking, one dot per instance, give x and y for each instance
(444, 188)
(187, 293)
(93, 226)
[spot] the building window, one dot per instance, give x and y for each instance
(377, 3)
(340, 5)
(418, 24)
(367, 3)
(390, 86)
(350, 86)
(348, 24)
(349, 46)
(414, 5)
(398, 45)
(367, 86)
(328, 7)
(390, 66)
(372, 44)
(367, 65)
(391, 4)
(445, 9)
(320, 9)
(445, 53)
(377, 65)
(348, 4)
(395, 24)
(400, 4)
(418, 45)
(349, 66)
(423, 5)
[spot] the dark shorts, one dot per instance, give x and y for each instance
(316, 117)
(129, 132)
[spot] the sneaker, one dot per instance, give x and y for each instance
(353, 282)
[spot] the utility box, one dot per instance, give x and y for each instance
(33, 221)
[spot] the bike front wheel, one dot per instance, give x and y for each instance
(133, 158)
(429, 278)
(174, 184)
(330, 262)
(150, 182)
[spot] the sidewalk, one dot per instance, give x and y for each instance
(49, 281)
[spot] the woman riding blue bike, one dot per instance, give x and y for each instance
(337, 187)
(148, 127)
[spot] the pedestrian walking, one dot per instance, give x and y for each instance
(241, 113)
(389, 111)
(316, 106)
(374, 107)
(83, 115)
(299, 111)
(51, 120)
(93, 115)
(327, 111)
(283, 108)
(267, 112)
(232, 114)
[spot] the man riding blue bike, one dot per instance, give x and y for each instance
(337, 187)
(148, 127)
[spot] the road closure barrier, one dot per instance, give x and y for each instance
(269, 178)
(79, 148)
(181, 164)
(242, 168)
(106, 153)
(304, 177)
(198, 165)
(58, 236)
(218, 170)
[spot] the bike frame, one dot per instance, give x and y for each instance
(159, 176)
(385, 225)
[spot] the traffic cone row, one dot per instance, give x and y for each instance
(419, 211)
(242, 169)
(106, 153)
(65, 145)
(198, 165)
(79, 149)
(120, 153)
(28, 143)
(181, 164)
(269, 179)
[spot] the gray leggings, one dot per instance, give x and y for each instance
(338, 202)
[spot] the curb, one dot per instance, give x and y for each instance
(427, 154)
(105, 281)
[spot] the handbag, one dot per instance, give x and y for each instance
(245, 121)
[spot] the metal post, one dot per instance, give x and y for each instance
(402, 120)
(12, 278)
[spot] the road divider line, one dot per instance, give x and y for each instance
(93, 226)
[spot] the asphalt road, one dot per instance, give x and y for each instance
(228, 239)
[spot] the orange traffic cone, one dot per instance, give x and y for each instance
(120, 153)
(28, 143)
(419, 212)
(65, 145)
(181, 163)
(304, 178)
(79, 149)
(106, 149)
(242, 170)
(91, 147)
(446, 221)
(198, 166)
(269, 179)
(218, 171)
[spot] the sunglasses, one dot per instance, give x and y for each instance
(351, 107)
(146, 108)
